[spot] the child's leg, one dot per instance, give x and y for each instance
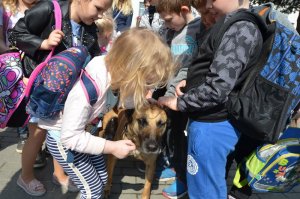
(30, 151)
(59, 172)
(208, 147)
(86, 171)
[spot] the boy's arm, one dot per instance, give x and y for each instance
(238, 44)
(181, 75)
(27, 33)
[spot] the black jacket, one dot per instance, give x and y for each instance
(30, 31)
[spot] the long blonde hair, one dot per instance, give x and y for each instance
(124, 6)
(11, 5)
(139, 61)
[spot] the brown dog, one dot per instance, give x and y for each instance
(145, 129)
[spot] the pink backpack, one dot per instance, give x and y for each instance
(14, 92)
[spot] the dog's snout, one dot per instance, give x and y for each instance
(152, 146)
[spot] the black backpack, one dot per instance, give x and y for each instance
(262, 107)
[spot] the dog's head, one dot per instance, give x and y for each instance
(146, 128)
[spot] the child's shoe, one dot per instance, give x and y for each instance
(176, 190)
(33, 188)
(166, 174)
(68, 186)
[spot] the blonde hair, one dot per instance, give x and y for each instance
(170, 6)
(139, 61)
(10, 5)
(105, 24)
(124, 6)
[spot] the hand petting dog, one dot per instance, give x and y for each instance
(120, 149)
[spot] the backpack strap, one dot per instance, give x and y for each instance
(39, 68)
(90, 87)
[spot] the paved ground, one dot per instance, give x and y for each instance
(128, 182)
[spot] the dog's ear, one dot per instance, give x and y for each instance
(129, 113)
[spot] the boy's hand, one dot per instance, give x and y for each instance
(120, 148)
(170, 102)
(53, 40)
(179, 87)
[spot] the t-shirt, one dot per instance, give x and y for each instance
(76, 33)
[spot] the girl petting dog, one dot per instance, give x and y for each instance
(35, 36)
(144, 65)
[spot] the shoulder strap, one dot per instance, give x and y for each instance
(38, 69)
(90, 87)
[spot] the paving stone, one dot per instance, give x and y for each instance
(128, 182)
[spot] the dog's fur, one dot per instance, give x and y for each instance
(145, 129)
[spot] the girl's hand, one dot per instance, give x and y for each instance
(170, 102)
(120, 148)
(53, 40)
(179, 86)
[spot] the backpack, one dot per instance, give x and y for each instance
(13, 91)
(56, 79)
(272, 167)
(262, 107)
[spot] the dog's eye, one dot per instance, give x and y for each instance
(160, 124)
(142, 122)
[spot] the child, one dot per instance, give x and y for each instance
(105, 27)
(212, 75)
(144, 65)
(34, 35)
(150, 19)
(13, 11)
(122, 14)
(183, 28)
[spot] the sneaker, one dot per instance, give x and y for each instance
(20, 145)
(40, 160)
(176, 190)
(67, 186)
(33, 188)
(166, 174)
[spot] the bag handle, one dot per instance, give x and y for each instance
(38, 69)
(236, 181)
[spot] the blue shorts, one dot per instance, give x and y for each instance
(208, 147)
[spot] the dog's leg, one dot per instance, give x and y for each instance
(111, 162)
(149, 175)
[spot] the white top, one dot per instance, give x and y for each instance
(78, 112)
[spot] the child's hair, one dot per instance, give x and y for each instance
(105, 24)
(10, 5)
(206, 17)
(124, 6)
(171, 6)
(138, 62)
